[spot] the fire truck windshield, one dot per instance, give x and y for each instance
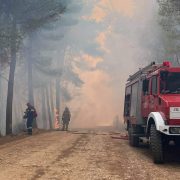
(169, 82)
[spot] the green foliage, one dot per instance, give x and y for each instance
(28, 16)
(169, 11)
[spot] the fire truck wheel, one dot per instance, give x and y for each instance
(156, 145)
(133, 140)
(177, 142)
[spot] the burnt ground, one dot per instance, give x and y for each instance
(81, 155)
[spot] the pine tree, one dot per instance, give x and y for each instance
(169, 11)
(22, 17)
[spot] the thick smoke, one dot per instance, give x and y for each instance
(128, 36)
(92, 49)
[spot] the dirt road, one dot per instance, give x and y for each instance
(80, 156)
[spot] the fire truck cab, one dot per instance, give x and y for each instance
(152, 107)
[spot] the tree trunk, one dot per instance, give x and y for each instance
(58, 99)
(48, 108)
(52, 104)
(177, 59)
(43, 108)
(30, 81)
(30, 76)
(11, 81)
(1, 100)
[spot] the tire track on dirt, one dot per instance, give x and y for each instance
(40, 172)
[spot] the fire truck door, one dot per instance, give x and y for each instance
(145, 105)
(151, 103)
(145, 98)
(153, 96)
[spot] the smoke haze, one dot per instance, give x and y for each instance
(90, 51)
(127, 35)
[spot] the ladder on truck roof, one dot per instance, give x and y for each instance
(144, 70)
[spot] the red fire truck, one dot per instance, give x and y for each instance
(152, 107)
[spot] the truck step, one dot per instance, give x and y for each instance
(137, 135)
(144, 140)
(144, 126)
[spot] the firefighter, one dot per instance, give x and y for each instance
(66, 118)
(29, 114)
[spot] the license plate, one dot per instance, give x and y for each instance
(175, 109)
(174, 112)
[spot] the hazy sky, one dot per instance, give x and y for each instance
(125, 32)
